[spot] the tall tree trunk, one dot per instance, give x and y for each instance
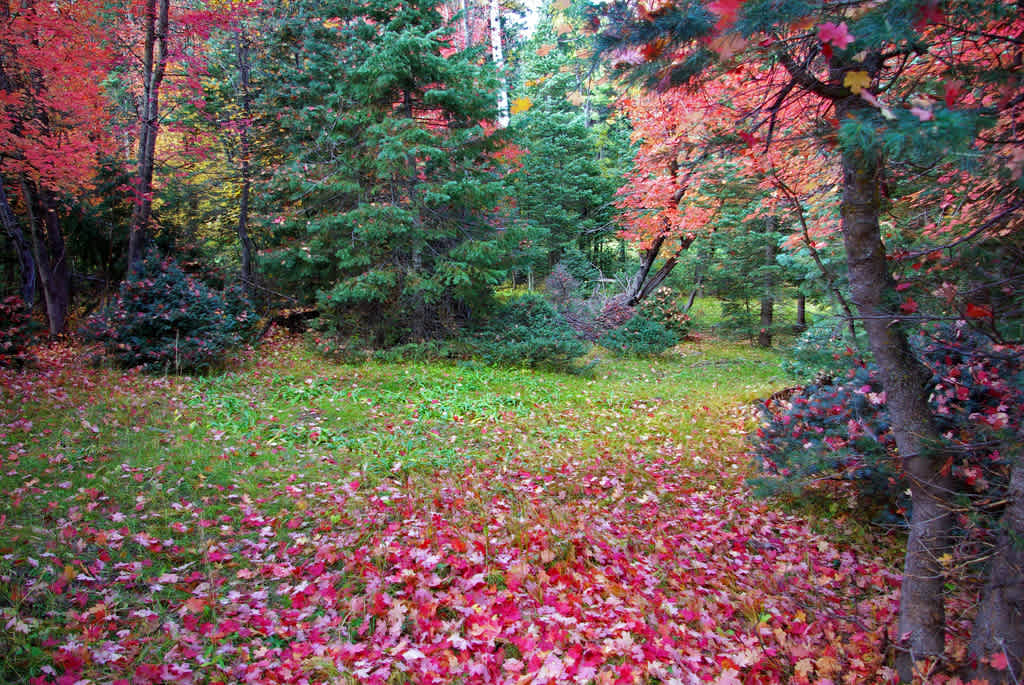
(153, 67)
(906, 382)
(59, 303)
(50, 255)
(764, 335)
(464, 11)
(999, 626)
(498, 55)
(248, 248)
(699, 270)
(801, 312)
(26, 262)
(643, 284)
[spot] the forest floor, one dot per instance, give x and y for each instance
(295, 520)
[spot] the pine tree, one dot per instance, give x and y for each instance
(576, 146)
(384, 201)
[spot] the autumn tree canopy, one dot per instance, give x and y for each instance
(880, 90)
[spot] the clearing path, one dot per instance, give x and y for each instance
(307, 522)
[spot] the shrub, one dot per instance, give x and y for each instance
(640, 336)
(824, 349)
(527, 330)
(839, 433)
(561, 287)
(615, 312)
(17, 329)
(163, 319)
(427, 351)
(580, 267)
(240, 308)
(663, 306)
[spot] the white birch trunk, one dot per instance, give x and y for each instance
(498, 56)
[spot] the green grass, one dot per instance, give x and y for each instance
(708, 318)
(87, 451)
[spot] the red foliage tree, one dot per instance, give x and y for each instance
(53, 116)
(878, 87)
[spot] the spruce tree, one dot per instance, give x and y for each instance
(383, 206)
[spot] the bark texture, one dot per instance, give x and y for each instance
(498, 55)
(999, 626)
(248, 248)
(50, 255)
(153, 66)
(907, 383)
(22, 248)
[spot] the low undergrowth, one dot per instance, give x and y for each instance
(294, 520)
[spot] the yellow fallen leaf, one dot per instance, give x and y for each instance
(520, 105)
(857, 81)
(827, 666)
(804, 667)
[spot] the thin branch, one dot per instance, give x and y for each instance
(825, 272)
(994, 221)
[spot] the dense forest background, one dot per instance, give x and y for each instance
(428, 179)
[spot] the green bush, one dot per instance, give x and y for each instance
(639, 337)
(822, 350)
(836, 433)
(427, 351)
(164, 320)
(17, 329)
(240, 308)
(527, 330)
(663, 306)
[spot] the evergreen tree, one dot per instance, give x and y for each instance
(384, 205)
(576, 146)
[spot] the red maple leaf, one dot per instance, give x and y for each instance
(909, 306)
(930, 13)
(978, 311)
(835, 35)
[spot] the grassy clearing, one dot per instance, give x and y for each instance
(406, 523)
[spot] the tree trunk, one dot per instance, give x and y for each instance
(906, 382)
(26, 262)
(50, 255)
(153, 66)
(826, 273)
(999, 626)
(764, 335)
(693, 296)
(248, 248)
(498, 55)
(801, 312)
(641, 285)
(466, 38)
